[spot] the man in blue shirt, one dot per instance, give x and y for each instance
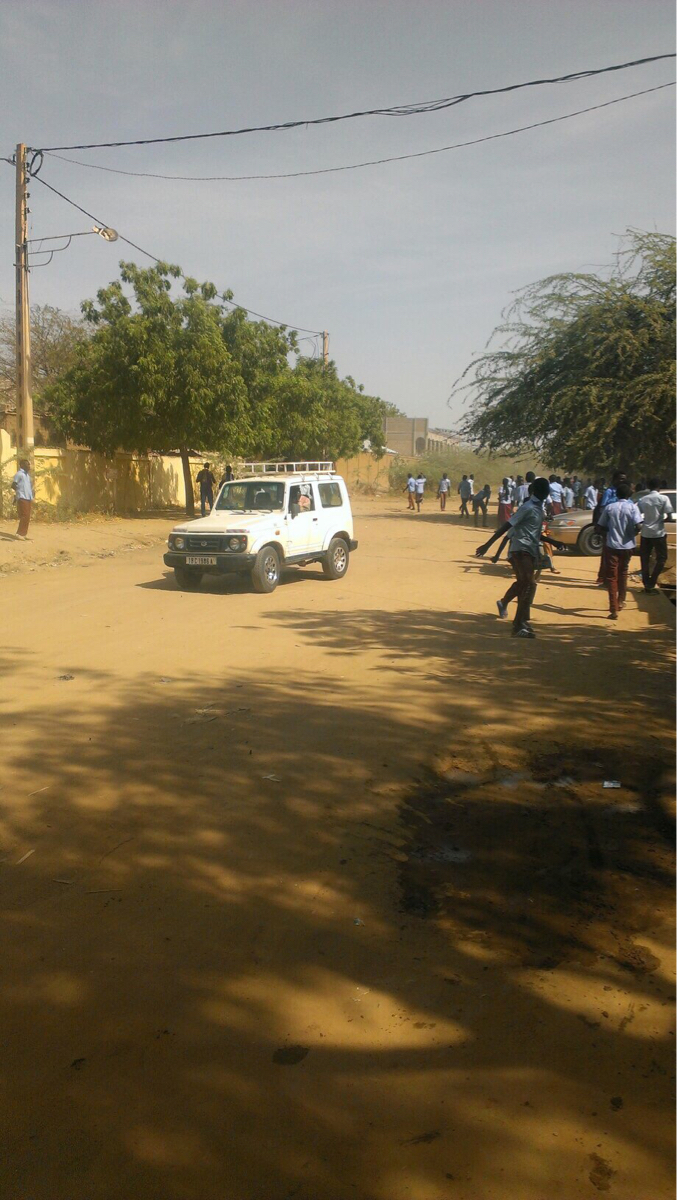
(23, 494)
(620, 521)
(525, 529)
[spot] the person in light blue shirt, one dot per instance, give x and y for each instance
(23, 494)
(620, 521)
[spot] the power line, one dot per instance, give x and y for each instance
(372, 162)
(155, 259)
(398, 110)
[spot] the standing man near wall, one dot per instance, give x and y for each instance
(23, 494)
(206, 481)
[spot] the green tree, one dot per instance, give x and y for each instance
(155, 374)
(309, 413)
(584, 376)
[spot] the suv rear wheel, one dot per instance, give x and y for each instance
(589, 541)
(266, 570)
(187, 580)
(336, 560)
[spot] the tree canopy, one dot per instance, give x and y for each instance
(55, 336)
(164, 372)
(584, 375)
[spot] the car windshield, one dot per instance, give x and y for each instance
(251, 495)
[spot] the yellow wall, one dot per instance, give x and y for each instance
(87, 482)
(82, 481)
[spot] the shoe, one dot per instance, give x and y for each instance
(523, 632)
(651, 591)
(621, 605)
(600, 583)
(502, 609)
(612, 617)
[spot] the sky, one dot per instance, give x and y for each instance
(408, 265)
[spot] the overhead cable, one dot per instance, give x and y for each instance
(372, 162)
(155, 259)
(398, 110)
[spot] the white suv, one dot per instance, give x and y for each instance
(282, 515)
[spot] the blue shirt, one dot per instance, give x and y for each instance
(609, 496)
(621, 519)
(22, 485)
(527, 524)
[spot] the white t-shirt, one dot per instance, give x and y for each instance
(556, 492)
(420, 484)
(444, 485)
(411, 484)
(654, 507)
(591, 497)
(568, 497)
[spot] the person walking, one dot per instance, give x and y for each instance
(556, 498)
(227, 476)
(479, 503)
(206, 481)
(654, 508)
(465, 491)
(577, 489)
(443, 489)
(420, 482)
(526, 533)
(591, 496)
(568, 497)
(23, 495)
(521, 490)
(410, 489)
(608, 496)
(620, 521)
(505, 508)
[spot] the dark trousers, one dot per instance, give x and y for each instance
(617, 563)
(464, 507)
(647, 547)
(206, 497)
(522, 590)
(603, 564)
(24, 514)
(480, 506)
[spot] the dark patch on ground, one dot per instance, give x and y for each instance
(543, 865)
(289, 1056)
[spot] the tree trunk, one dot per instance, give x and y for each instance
(188, 483)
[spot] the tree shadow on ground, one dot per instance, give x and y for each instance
(243, 962)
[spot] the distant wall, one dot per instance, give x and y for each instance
(406, 435)
(365, 470)
(82, 481)
(87, 482)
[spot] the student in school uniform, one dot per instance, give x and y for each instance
(465, 491)
(620, 520)
(479, 503)
(567, 494)
(443, 489)
(420, 482)
(526, 534)
(505, 507)
(410, 489)
(655, 508)
(556, 501)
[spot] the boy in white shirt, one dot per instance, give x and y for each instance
(443, 489)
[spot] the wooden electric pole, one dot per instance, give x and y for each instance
(24, 399)
(325, 348)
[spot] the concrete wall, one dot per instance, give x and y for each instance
(82, 481)
(86, 482)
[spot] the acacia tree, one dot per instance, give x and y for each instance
(584, 376)
(156, 373)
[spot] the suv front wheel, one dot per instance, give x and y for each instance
(335, 562)
(266, 570)
(187, 580)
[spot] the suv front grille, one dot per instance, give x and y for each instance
(211, 542)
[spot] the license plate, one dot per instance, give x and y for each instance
(200, 560)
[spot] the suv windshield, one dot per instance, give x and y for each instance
(251, 496)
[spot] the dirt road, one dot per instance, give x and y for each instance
(319, 894)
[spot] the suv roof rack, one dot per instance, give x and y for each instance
(286, 468)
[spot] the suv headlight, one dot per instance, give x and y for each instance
(177, 542)
(237, 543)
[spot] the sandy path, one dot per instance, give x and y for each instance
(319, 895)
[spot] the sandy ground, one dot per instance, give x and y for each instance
(319, 895)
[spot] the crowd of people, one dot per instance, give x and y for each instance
(525, 503)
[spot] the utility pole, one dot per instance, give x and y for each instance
(24, 399)
(325, 348)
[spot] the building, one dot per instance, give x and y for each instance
(410, 436)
